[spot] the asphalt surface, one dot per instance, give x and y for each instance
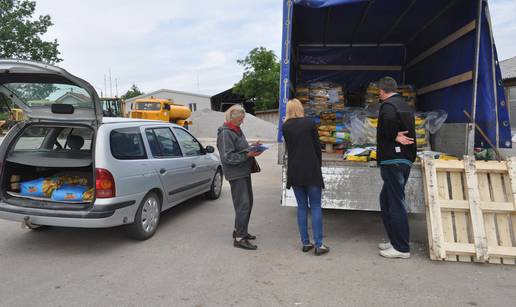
(191, 262)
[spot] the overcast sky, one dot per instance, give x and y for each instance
(184, 45)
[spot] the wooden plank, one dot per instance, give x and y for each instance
(492, 167)
(458, 79)
(427, 213)
(502, 219)
(436, 227)
(447, 221)
(503, 251)
(477, 221)
(443, 43)
(463, 249)
(489, 217)
(511, 184)
(463, 205)
(510, 187)
(482, 166)
(461, 218)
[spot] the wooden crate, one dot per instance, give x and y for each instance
(471, 210)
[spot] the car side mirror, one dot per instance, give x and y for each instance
(209, 149)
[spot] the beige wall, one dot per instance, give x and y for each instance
(269, 116)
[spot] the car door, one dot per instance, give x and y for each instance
(203, 171)
(167, 159)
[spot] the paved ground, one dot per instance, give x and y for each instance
(191, 262)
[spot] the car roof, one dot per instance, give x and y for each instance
(121, 120)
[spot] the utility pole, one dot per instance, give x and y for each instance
(105, 86)
(110, 84)
(116, 87)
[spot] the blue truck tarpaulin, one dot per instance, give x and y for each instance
(444, 48)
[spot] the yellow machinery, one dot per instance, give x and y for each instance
(161, 109)
(113, 107)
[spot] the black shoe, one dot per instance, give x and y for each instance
(248, 236)
(307, 248)
(244, 244)
(321, 250)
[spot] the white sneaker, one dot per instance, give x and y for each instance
(393, 253)
(384, 246)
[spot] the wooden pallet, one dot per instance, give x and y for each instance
(471, 210)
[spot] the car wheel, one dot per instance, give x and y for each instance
(216, 186)
(147, 218)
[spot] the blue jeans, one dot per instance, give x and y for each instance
(309, 197)
(392, 204)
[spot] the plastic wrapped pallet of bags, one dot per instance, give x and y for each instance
(41, 187)
(363, 132)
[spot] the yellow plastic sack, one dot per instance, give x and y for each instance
(88, 195)
(420, 121)
(328, 127)
(421, 141)
(373, 122)
(421, 131)
(372, 155)
(448, 158)
(357, 158)
(325, 133)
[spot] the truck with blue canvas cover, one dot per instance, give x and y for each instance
(444, 48)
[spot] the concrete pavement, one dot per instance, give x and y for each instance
(191, 262)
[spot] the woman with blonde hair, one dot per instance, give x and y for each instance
(304, 173)
(237, 164)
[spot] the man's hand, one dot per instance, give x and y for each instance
(403, 139)
(253, 154)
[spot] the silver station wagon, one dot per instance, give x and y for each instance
(68, 166)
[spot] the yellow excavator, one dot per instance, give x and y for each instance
(161, 109)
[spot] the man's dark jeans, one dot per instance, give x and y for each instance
(392, 204)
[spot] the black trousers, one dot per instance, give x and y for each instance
(242, 194)
(392, 204)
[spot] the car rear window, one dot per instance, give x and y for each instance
(127, 144)
(54, 138)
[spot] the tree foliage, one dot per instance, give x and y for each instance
(21, 33)
(260, 81)
(132, 92)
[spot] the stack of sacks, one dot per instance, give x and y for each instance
(409, 93)
(372, 95)
(326, 96)
(421, 132)
(62, 188)
(335, 134)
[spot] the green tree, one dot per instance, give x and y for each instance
(132, 92)
(21, 33)
(260, 81)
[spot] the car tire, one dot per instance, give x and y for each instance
(216, 185)
(147, 218)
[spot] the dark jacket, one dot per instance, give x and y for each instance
(304, 153)
(395, 116)
(233, 149)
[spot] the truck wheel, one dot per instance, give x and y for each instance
(216, 186)
(147, 218)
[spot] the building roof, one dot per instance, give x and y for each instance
(167, 91)
(508, 68)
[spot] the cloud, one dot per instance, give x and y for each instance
(504, 26)
(182, 45)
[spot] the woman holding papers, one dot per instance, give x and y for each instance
(238, 162)
(304, 173)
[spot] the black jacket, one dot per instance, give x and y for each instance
(304, 153)
(395, 116)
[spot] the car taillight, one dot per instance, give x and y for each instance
(104, 184)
